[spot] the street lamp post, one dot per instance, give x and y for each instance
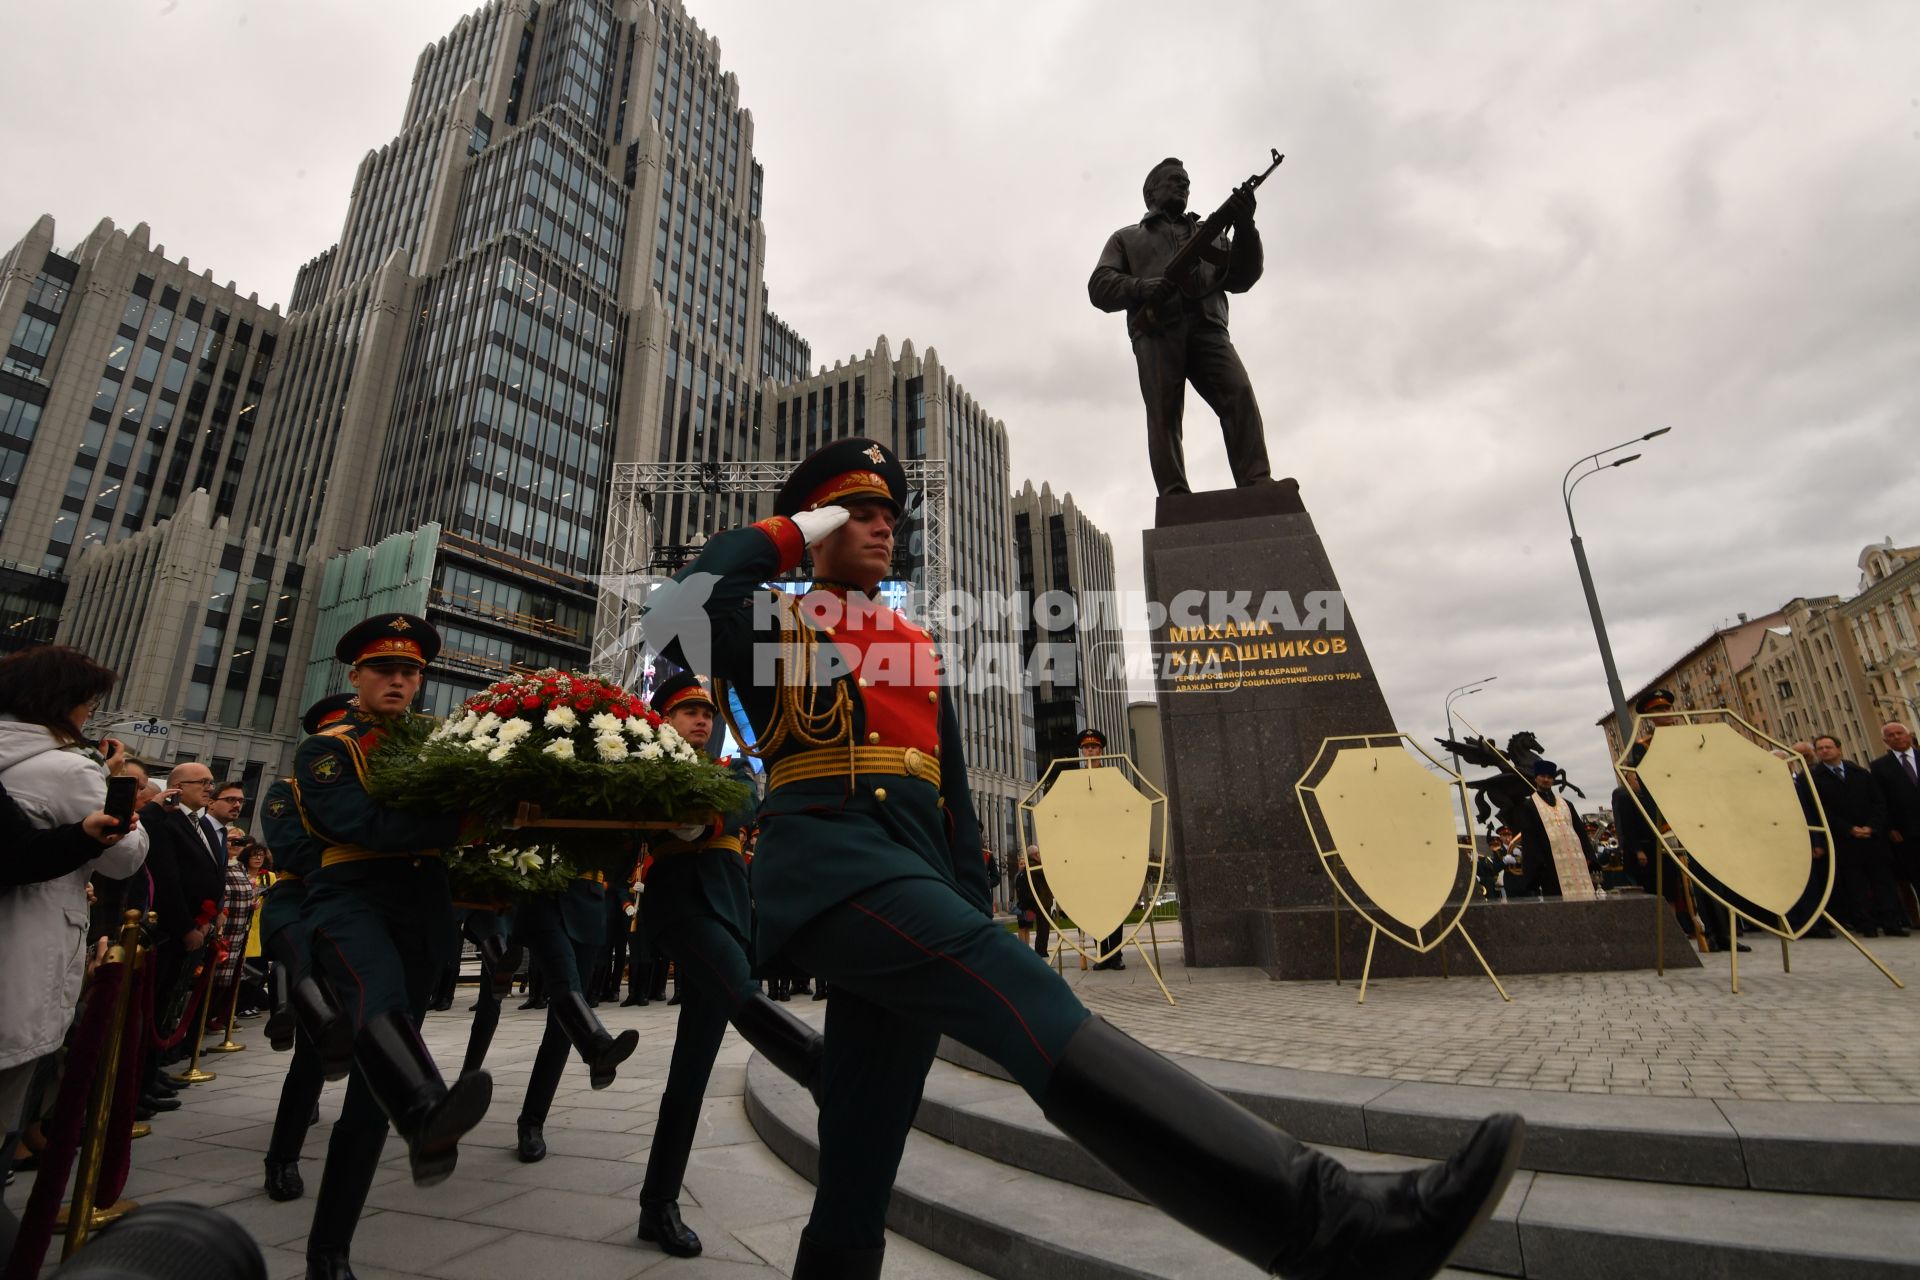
(1470, 687)
(1623, 720)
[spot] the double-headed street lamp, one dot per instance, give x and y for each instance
(1568, 483)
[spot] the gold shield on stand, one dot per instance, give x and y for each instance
(1102, 832)
(1387, 830)
(1723, 799)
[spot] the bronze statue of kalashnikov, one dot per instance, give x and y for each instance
(1180, 335)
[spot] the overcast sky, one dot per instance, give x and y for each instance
(1506, 235)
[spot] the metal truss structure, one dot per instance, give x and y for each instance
(632, 547)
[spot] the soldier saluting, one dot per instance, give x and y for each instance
(381, 919)
(867, 873)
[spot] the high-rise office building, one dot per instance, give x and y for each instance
(921, 411)
(1074, 651)
(554, 265)
(563, 247)
(130, 404)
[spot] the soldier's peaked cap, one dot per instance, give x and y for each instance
(325, 712)
(679, 691)
(841, 471)
(1093, 735)
(389, 637)
(1654, 700)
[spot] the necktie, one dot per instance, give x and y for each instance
(1906, 758)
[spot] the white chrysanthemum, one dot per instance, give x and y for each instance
(514, 730)
(501, 858)
(481, 744)
(500, 752)
(561, 747)
(561, 718)
(438, 735)
(685, 753)
(604, 722)
(464, 725)
(651, 751)
(669, 736)
(639, 729)
(610, 746)
(527, 860)
(486, 724)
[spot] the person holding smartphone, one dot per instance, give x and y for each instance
(57, 779)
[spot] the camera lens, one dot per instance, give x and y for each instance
(173, 1241)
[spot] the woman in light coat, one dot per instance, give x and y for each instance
(56, 777)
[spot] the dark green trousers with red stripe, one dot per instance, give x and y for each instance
(910, 960)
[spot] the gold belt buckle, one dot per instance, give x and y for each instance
(912, 760)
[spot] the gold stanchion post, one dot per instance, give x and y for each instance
(81, 1216)
(193, 1074)
(227, 1044)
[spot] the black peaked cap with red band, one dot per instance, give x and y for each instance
(679, 690)
(389, 637)
(1093, 735)
(325, 712)
(841, 471)
(1654, 700)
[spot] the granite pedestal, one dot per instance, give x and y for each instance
(1258, 661)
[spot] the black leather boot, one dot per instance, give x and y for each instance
(820, 1262)
(1250, 1188)
(430, 1116)
(784, 1040)
(326, 1025)
(660, 1224)
(603, 1053)
(280, 1023)
(531, 1143)
(353, 1158)
(496, 957)
(283, 1180)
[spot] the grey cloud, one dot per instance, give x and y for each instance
(1505, 235)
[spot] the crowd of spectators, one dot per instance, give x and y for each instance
(70, 872)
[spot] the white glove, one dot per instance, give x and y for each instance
(689, 834)
(818, 523)
(630, 909)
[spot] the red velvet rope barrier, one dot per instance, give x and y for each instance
(69, 1119)
(118, 1159)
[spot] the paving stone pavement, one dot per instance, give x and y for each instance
(1833, 1030)
(571, 1215)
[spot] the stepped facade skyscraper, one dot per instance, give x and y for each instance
(557, 263)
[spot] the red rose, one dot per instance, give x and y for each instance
(583, 704)
(504, 708)
(619, 711)
(530, 702)
(501, 687)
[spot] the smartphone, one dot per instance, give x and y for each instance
(121, 793)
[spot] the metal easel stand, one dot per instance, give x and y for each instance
(1373, 936)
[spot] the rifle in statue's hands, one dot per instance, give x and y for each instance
(1185, 263)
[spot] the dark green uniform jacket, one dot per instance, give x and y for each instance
(824, 839)
(687, 879)
(296, 855)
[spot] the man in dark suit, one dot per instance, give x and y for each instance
(1898, 773)
(188, 887)
(1864, 897)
